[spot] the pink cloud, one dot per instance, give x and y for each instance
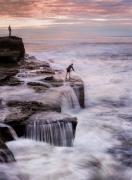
(42, 9)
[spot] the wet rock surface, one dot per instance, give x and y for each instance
(53, 81)
(51, 117)
(5, 133)
(40, 67)
(6, 155)
(7, 75)
(21, 110)
(10, 81)
(39, 87)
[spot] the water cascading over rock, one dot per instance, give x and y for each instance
(58, 133)
(78, 86)
(69, 100)
(55, 128)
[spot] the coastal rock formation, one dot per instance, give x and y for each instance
(11, 49)
(35, 97)
(25, 105)
(6, 155)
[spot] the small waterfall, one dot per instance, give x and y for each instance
(57, 133)
(69, 99)
(10, 130)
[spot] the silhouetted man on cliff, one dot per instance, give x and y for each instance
(9, 29)
(69, 69)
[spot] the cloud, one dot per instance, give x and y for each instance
(44, 8)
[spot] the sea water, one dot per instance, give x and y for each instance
(102, 146)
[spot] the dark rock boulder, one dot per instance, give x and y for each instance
(11, 49)
(7, 133)
(6, 155)
(49, 78)
(10, 81)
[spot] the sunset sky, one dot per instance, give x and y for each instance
(97, 17)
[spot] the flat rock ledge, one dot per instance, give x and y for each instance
(19, 111)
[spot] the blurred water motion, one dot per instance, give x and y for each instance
(102, 147)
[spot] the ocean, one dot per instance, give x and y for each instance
(103, 144)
